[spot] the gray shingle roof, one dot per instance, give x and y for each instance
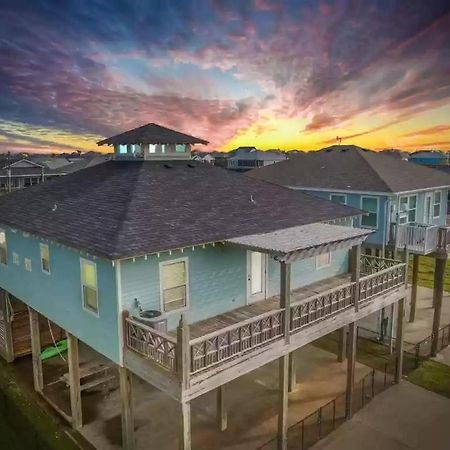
(351, 168)
(152, 133)
(128, 208)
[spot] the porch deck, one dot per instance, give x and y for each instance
(221, 321)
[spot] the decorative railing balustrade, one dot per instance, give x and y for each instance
(321, 306)
(373, 264)
(381, 282)
(152, 344)
(417, 237)
(209, 350)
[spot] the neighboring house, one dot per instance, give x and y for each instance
(185, 274)
(248, 158)
(405, 203)
(434, 158)
(203, 157)
(33, 170)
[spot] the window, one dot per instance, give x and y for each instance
(3, 249)
(27, 264)
(436, 204)
(45, 258)
(174, 288)
(408, 209)
(370, 205)
(16, 259)
(180, 148)
(339, 198)
(123, 149)
(152, 148)
(89, 285)
(135, 149)
(323, 260)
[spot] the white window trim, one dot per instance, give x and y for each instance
(161, 297)
(324, 266)
(378, 211)
(340, 195)
(435, 204)
(88, 310)
(406, 213)
(27, 261)
(6, 248)
(16, 258)
(41, 245)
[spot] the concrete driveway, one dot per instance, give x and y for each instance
(405, 417)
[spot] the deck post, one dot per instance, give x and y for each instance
(415, 278)
(392, 330)
(126, 398)
(438, 292)
(355, 269)
(285, 297)
(74, 380)
(283, 369)
(185, 426)
(36, 350)
(399, 340)
(183, 361)
(222, 418)
(351, 359)
(292, 384)
(342, 344)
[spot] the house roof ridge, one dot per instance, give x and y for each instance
(363, 154)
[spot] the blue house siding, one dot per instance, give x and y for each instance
(217, 280)
(58, 295)
(355, 200)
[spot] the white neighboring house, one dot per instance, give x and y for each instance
(204, 157)
(248, 158)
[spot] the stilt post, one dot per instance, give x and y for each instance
(399, 341)
(351, 359)
(126, 397)
(185, 426)
(35, 333)
(438, 292)
(74, 380)
(222, 418)
(342, 344)
(292, 373)
(415, 278)
(283, 368)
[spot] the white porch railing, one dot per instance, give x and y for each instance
(417, 238)
(152, 344)
(209, 350)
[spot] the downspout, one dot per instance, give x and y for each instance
(387, 225)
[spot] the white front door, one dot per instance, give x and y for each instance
(428, 213)
(256, 277)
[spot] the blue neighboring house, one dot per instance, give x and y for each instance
(185, 274)
(434, 158)
(394, 193)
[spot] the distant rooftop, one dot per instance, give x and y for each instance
(151, 133)
(348, 167)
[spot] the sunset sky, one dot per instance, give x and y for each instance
(273, 74)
